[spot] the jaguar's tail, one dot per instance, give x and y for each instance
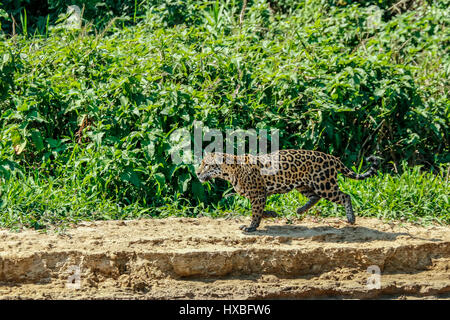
(353, 175)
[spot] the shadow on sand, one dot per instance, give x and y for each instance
(334, 234)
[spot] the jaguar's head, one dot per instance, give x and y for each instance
(211, 167)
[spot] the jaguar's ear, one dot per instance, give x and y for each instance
(206, 157)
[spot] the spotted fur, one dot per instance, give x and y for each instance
(312, 173)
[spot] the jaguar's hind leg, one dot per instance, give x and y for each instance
(270, 214)
(313, 199)
(345, 200)
(337, 196)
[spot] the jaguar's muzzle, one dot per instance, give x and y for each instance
(204, 177)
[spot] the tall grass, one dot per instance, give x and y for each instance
(36, 201)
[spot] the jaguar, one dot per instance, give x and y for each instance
(312, 173)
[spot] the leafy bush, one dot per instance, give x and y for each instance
(35, 16)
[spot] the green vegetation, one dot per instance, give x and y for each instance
(86, 114)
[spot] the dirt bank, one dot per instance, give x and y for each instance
(212, 259)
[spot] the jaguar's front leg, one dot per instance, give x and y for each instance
(258, 204)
